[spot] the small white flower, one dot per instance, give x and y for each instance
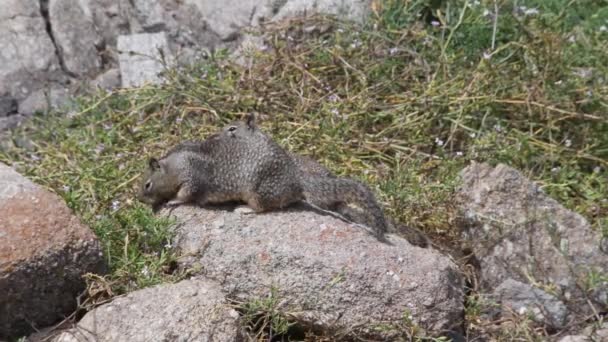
(531, 11)
(498, 128)
(597, 169)
(115, 205)
(178, 119)
(168, 245)
(355, 44)
(66, 188)
(335, 111)
(558, 82)
(333, 98)
(393, 51)
(439, 142)
(472, 135)
(568, 143)
(603, 28)
(340, 30)
(145, 271)
(487, 55)
(435, 23)
(107, 126)
(486, 12)
(555, 169)
(572, 39)
(459, 153)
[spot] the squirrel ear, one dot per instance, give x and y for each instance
(153, 164)
(250, 120)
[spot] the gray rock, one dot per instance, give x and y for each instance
(356, 10)
(75, 37)
(191, 310)
(226, 18)
(521, 298)
(28, 57)
(575, 338)
(327, 274)
(10, 122)
(8, 106)
(140, 58)
(107, 81)
(44, 251)
(43, 100)
(518, 232)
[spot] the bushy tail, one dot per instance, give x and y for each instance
(347, 197)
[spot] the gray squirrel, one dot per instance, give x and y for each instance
(242, 163)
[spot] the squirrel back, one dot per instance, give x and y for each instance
(240, 163)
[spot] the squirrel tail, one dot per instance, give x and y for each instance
(347, 197)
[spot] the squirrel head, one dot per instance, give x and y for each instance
(242, 128)
(157, 185)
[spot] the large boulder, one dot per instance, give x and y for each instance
(327, 274)
(44, 251)
(356, 10)
(535, 256)
(76, 37)
(191, 310)
(142, 58)
(27, 57)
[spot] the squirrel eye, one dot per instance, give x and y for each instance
(231, 128)
(148, 185)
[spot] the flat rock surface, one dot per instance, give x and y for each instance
(44, 251)
(325, 272)
(191, 310)
(27, 56)
(140, 58)
(76, 37)
(518, 232)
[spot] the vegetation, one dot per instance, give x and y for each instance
(403, 103)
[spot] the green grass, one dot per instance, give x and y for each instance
(403, 103)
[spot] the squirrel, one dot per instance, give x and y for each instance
(248, 167)
(242, 163)
(309, 167)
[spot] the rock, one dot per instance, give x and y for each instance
(44, 251)
(107, 81)
(43, 100)
(521, 298)
(191, 310)
(226, 18)
(28, 57)
(10, 122)
(356, 10)
(8, 106)
(75, 37)
(518, 232)
(140, 59)
(326, 273)
(575, 338)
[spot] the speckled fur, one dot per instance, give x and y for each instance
(322, 189)
(240, 163)
(357, 204)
